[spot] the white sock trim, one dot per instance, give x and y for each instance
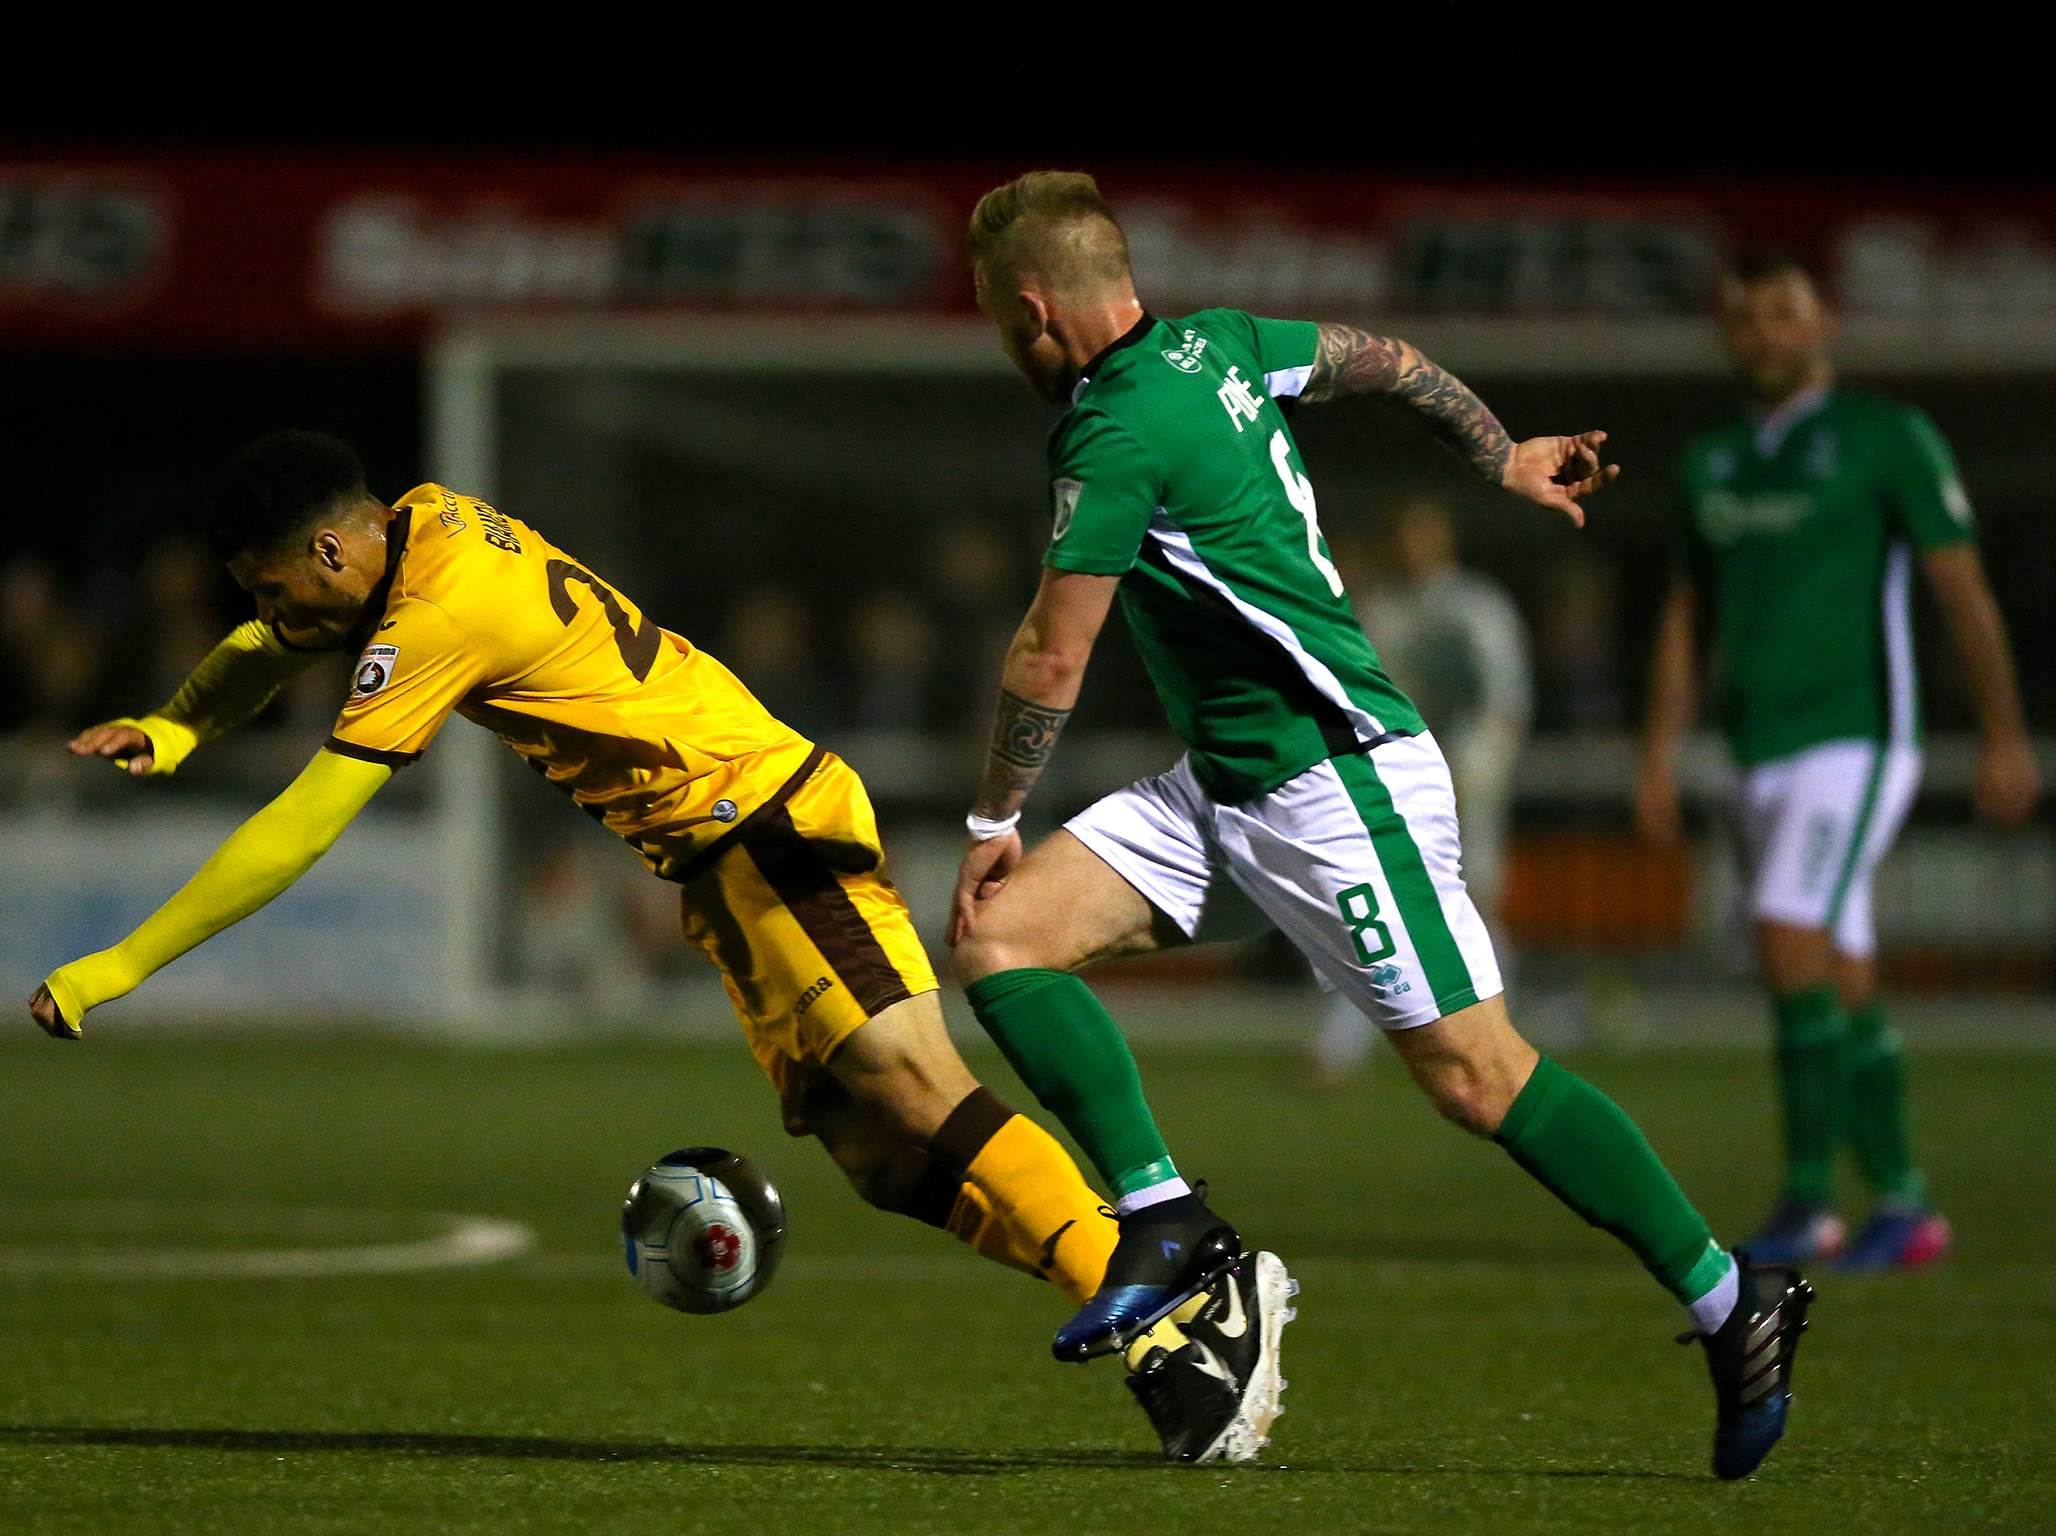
(1153, 1194)
(1718, 1304)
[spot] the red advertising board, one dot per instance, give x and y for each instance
(312, 253)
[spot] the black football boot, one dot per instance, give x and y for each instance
(1750, 1360)
(1166, 1255)
(1242, 1325)
(1192, 1399)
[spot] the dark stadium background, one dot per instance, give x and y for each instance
(113, 425)
(476, 1003)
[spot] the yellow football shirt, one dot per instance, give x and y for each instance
(480, 614)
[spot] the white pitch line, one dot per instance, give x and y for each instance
(465, 1240)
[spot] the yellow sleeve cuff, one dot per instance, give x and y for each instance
(171, 742)
(88, 982)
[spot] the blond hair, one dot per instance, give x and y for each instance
(1055, 225)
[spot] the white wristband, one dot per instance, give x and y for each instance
(985, 831)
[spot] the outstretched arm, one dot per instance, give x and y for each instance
(1550, 471)
(235, 680)
(260, 859)
(1045, 668)
(2009, 781)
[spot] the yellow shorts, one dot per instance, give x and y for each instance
(812, 938)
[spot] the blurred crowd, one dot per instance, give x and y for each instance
(122, 640)
(891, 658)
(920, 657)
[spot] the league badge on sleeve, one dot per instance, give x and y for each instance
(374, 670)
(1065, 493)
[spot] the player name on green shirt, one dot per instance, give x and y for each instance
(1175, 469)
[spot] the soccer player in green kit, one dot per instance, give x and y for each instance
(1805, 518)
(1310, 782)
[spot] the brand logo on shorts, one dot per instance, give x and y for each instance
(724, 810)
(1386, 980)
(812, 995)
(374, 669)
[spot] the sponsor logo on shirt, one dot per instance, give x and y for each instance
(1065, 494)
(1186, 358)
(1237, 399)
(1727, 515)
(374, 669)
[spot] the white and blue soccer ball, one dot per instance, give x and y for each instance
(702, 1230)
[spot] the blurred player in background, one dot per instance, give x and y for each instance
(770, 838)
(1454, 642)
(1804, 520)
(1311, 782)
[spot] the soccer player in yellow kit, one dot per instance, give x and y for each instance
(770, 838)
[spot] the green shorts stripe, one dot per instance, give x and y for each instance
(1413, 888)
(1859, 837)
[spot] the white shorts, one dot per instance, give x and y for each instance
(1812, 828)
(1356, 860)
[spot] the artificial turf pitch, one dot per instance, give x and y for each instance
(1468, 1357)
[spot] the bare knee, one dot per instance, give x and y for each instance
(1472, 1065)
(1794, 959)
(1856, 980)
(978, 956)
(1062, 910)
(1465, 1100)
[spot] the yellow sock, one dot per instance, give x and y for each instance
(1024, 1203)
(972, 1221)
(1056, 1226)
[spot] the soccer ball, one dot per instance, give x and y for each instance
(702, 1229)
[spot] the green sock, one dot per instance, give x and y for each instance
(1592, 1157)
(1071, 1054)
(1877, 1108)
(1813, 1039)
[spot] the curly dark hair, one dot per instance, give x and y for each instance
(277, 486)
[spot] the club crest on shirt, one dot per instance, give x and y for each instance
(1065, 493)
(374, 669)
(1186, 358)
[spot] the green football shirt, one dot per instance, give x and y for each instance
(1800, 531)
(1175, 470)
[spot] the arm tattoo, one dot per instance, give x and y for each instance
(1024, 734)
(1349, 361)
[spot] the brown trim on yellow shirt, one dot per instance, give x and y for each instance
(756, 818)
(381, 597)
(343, 748)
